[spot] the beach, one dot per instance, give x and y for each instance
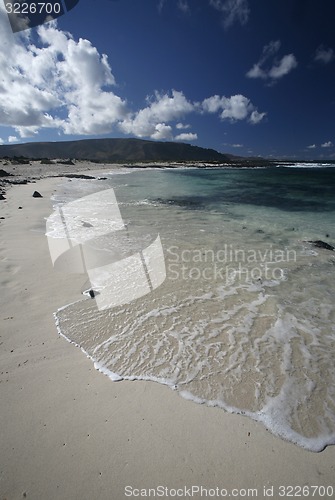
(67, 431)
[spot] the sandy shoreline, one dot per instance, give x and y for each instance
(67, 431)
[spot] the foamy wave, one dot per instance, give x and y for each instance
(262, 347)
(306, 165)
(238, 349)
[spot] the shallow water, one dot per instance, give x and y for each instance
(245, 318)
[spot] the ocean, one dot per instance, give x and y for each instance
(207, 280)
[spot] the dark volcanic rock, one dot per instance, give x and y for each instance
(322, 244)
(66, 162)
(36, 194)
(2, 197)
(15, 181)
(20, 160)
(79, 176)
(3, 173)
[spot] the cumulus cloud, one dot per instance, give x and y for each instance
(26, 131)
(236, 107)
(162, 132)
(311, 146)
(59, 83)
(181, 126)
(12, 138)
(232, 11)
(54, 81)
(256, 117)
(277, 67)
(327, 144)
(324, 55)
(149, 121)
(186, 137)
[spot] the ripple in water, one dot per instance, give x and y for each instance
(262, 348)
(265, 351)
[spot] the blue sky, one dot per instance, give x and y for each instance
(247, 77)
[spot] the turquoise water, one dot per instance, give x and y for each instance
(244, 319)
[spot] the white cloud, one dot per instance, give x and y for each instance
(311, 146)
(283, 67)
(26, 131)
(213, 104)
(59, 83)
(186, 137)
(256, 72)
(256, 117)
(55, 81)
(268, 51)
(324, 55)
(161, 109)
(152, 120)
(1, 141)
(12, 138)
(236, 107)
(327, 144)
(232, 11)
(162, 132)
(277, 69)
(181, 126)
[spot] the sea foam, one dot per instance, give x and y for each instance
(260, 347)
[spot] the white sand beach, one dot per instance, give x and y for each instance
(68, 432)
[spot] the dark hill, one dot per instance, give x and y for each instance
(114, 150)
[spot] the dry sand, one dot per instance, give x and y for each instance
(68, 432)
